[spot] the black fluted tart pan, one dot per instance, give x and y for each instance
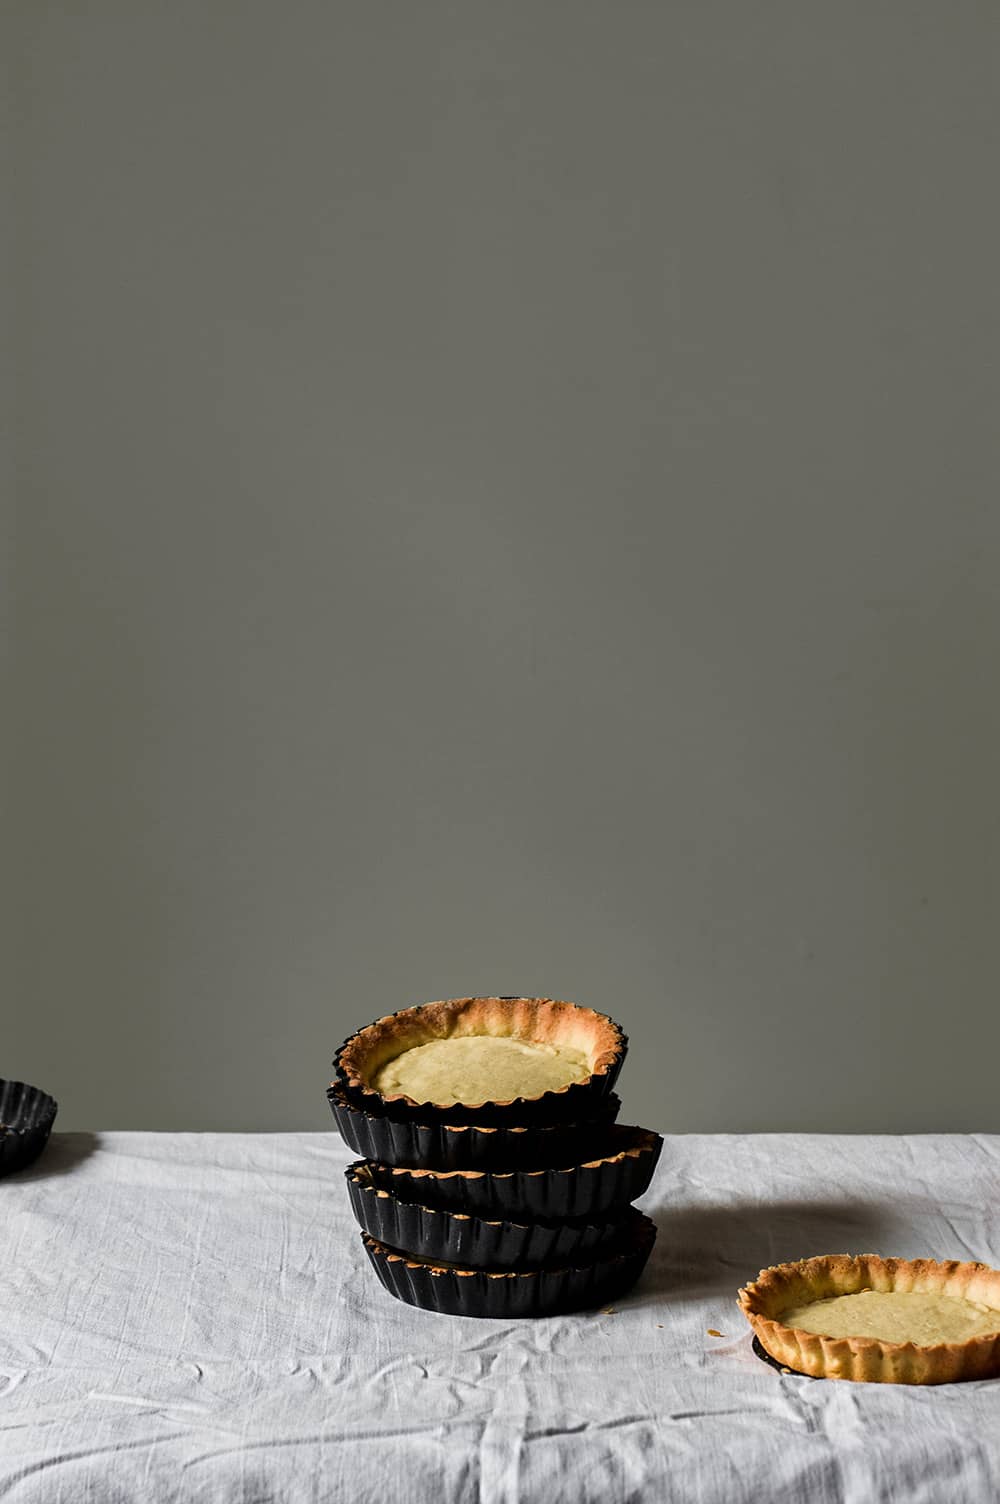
(589, 1189)
(545, 1020)
(26, 1117)
(455, 1146)
(761, 1352)
(429, 1233)
(455, 1291)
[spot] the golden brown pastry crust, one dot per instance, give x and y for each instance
(867, 1358)
(541, 1019)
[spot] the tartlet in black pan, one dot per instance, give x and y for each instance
(26, 1117)
(473, 1242)
(378, 1135)
(588, 1189)
(455, 1291)
(442, 1062)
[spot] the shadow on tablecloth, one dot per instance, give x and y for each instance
(705, 1250)
(63, 1154)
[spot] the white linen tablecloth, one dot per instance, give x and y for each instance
(192, 1317)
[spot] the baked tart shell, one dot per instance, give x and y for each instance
(509, 1294)
(867, 1359)
(546, 1021)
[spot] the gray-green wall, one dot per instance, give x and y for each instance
(506, 501)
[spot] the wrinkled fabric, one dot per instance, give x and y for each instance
(192, 1317)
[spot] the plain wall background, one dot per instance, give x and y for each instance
(506, 501)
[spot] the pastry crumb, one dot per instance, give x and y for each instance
(713, 1333)
(609, 1312)
(660, 1325)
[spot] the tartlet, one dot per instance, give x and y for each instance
(778, 1301)
(455, 1237)
(484, 1060)
(507, 1294)
(26, 1117)
(591, 1188)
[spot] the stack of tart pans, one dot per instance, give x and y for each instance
(505, 1208)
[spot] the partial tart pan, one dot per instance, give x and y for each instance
(533, 1019)
(473, 1242)
(590, 1189)
(26, 1118)
(867, 1359)
(456, 1146)
(455, 1291)
(782, 1368)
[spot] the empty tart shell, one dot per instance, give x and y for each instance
(538, 1020)
(506, 1294)
(376, 1134)
(590, 1189)
(473, 1242)
(869, 1359)
(26, 1117)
